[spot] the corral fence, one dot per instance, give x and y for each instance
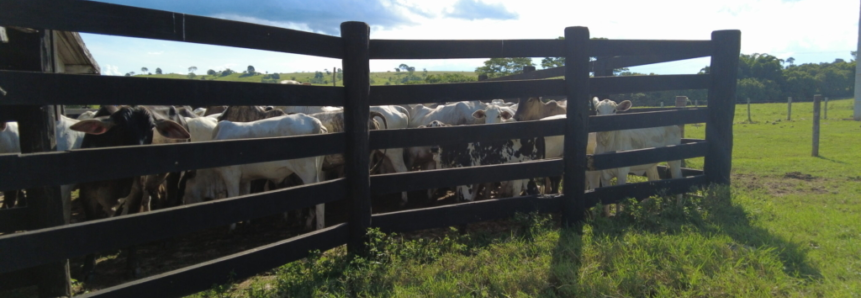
(42, 250)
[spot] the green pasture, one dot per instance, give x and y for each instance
(789, 226)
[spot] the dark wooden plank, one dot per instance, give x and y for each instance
(389, 183)
(65, 89)
(463, 213)
(647, 119)
(534, 75)
(724, 65)
(630, 84)
(664, 171)
(577, 86)
(612, 160)
(86, 165)
(41, 246)
(112, 19)
(642, 190)
(15, 219)
(409, 94)
(18, 279)
(464, 134)
(454, 49)
(621, 47)
(203, 276)
(356, 65)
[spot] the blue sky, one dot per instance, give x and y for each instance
(811, 31)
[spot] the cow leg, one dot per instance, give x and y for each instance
(320, 210)
(10, 197)
(396, 157)
(66, 195)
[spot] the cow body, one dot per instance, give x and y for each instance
(237, 178)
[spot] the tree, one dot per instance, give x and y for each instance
(498, 67)
(192, 69)
(211, 72)
(791, 61)
(251, 70)
(227, 72)
(144, 69)
(157, 70)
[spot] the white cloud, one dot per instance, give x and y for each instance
(111, 70)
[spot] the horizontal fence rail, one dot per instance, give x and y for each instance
(630, 84)
(612, 160)
(203, 276)
(454, 49)
(15, 219)
(463, 213)
(642, 190)
(411, 94)
(112, 19)
(46, 245)
(397, 138)
(389, 183)
(18, 171)
(27, 88)
(620, 47)
(647, 119)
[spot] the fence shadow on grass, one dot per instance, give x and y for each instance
(713, 213)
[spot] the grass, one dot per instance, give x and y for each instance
(377, 78)
(788, 227)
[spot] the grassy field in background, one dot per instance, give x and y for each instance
(378, 78)
(788, 227)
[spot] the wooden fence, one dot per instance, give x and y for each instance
(38, 169)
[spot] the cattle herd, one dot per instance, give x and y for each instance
(142, 125)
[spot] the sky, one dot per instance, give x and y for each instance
(811, 31)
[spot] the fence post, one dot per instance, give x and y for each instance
(826, 109)
(788, 108)
(817, 99)
(482, 77)
(721, 106)
(748, 111)
(682, 102)
(577, 125)
(334, 76)
(356, 37)
(36, 130)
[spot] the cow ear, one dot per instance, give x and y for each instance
(505, 115)
(595, 101)
(478, 114)
(171, 130)
(623, 106)
(96, 126)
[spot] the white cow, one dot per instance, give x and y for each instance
(396, 118)
(308, 109)
(202, 184)
(87, 115)
(237, 178)
(67, 139)
(622, 140)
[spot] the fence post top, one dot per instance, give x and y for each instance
(353, 24)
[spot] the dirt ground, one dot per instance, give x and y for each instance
(177, 252)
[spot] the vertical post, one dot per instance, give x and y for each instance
(662, 104)
(682, 102)
(602, 69)
(817, 99)
(528, 69)
(788, 108)
(721, 107)
(334, 76)
(356, 37)
(577, 125)
(857, 100)
(826, 109)
(36, 130)
(748, 111)
(482, 77)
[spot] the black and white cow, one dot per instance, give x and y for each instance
(488, 153)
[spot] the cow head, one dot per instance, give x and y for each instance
(609, 107)
(493, 114)
(531, 109)
(127, 126)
